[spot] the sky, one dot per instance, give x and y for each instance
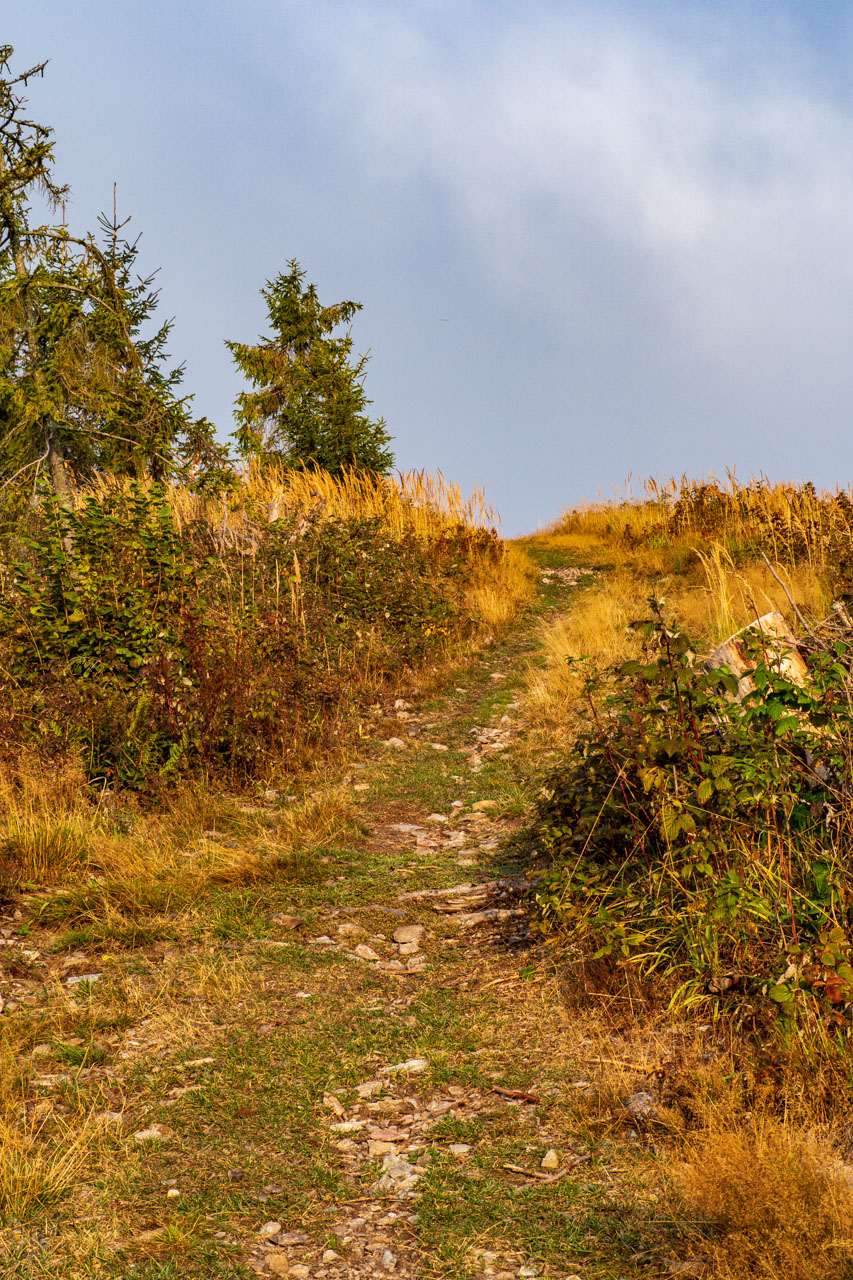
(592, 240)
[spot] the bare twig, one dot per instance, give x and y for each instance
(803, 622)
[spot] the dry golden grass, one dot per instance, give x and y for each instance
(36, 1170)
(411, 503)
(792, 522)
(121, 865)
(710, 600)
(501, 588)
(778, 1200)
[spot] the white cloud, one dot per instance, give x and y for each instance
(728, 203)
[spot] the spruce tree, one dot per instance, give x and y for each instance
(308, 406)
(84, 384)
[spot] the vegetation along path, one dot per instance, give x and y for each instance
(363, 1069)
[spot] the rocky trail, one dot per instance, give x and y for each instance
(367, 1070)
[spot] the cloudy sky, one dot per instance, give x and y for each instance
(592, 239)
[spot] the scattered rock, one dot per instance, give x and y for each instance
(77, 978)
(397, 1174)
(173, 1194)
(411, 1067)
(333, 1104)
(439, 746)
(284, 921)
(409, 948)
(278, 1264)
(299, 1272)
(641, 1106)
(388, 1261)
(269, 1229)
(480, 806)
(394, 744)
(408, 933)
(436, 817)
(370, 1088)
(150, 1237)
(550, 1160)
(154, 1133)
(365, 953)
(459, 1148)
(348, 930)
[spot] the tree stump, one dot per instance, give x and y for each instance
(779, 646)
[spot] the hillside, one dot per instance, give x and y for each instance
(405, 1008)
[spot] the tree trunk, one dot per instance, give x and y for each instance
(60, 480)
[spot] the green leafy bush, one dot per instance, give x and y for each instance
(708, 838)
(151, 650)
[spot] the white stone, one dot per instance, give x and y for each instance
(412, 1067)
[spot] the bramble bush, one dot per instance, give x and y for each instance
(705, 838)
(152, 651)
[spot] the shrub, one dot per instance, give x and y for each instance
(152, 649)
(706, 838)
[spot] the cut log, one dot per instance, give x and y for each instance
(769, 633)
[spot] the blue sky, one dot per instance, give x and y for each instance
(591, 239)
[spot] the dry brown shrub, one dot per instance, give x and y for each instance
(778, 1202)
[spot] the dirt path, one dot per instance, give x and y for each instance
(369, 1071)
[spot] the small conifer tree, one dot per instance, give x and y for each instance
(308, 406)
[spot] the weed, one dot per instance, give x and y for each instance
(776, 1201)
